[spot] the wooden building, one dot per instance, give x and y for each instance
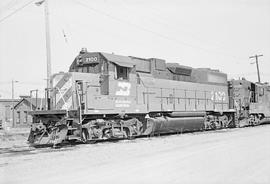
(22, 108)
(6, 112)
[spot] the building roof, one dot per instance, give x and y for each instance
(36, 103)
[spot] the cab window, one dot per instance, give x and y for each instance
(93, 68)
(121, 73)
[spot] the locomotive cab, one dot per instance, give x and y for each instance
(260, 107)
(95, 76)
(252, 101)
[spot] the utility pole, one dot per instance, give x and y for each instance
(31, 91)
(48, 41)
(257, 64)
(12, 88)
(48, 45)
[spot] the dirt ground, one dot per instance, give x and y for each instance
(226, 156)
(13, 138)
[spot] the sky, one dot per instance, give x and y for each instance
(217, 34)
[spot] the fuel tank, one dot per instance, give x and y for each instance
(187, 114)
(161, 125)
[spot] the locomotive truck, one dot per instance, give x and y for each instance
(107, 96)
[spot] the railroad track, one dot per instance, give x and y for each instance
(34, 149)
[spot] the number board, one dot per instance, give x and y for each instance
(82, 60)
(93, 59)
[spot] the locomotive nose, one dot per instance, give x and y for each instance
(61, 91)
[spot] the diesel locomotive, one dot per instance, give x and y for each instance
(109, 96)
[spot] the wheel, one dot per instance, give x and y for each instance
(213, 125)
(85, 135)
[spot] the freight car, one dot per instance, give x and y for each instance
(108, 96)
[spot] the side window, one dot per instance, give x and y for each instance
(122, 73)
(7, 113)
(93, 68)
(25, 117)
(18, 117)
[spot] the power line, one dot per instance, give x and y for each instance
(192, 35)
(16, 11)
(150, 31)
(9, 5)
(165, 22)
(132, 24)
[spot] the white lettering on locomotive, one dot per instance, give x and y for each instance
(122, 103)
(91, 59)
(219, 96)
(123, 89)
